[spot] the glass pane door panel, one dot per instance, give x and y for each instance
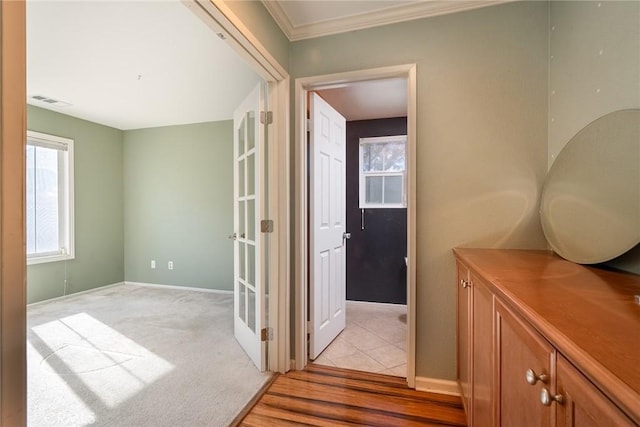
(251, 264)
(251, 175)
(242, 305)
(241, 219)
(251, 129)
(251, 220)
(241, 260)
(241, 177)
(241, 133)
(251, 315)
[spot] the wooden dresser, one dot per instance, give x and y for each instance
(546, 342)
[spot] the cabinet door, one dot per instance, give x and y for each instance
(465, 301)
(482, 354)
(583, 404)
(518, 349)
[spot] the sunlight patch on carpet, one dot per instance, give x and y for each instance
(111, 366)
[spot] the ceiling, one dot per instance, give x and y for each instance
(378, 99)
(132, 65)
(140, 64)
(303, 19)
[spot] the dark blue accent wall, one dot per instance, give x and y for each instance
(376, 270)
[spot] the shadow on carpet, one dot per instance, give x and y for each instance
(137, 356)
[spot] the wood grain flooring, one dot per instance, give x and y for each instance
(327, 396)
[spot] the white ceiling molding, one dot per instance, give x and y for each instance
(374, 18)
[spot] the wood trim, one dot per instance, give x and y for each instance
(13, 359)
(434, 385)
(412, 209)
(302, 86)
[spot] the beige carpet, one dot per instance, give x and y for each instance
(136, 356)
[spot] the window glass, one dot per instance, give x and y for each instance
(393, 189)
(374, 189)
(382, 172)
(49, 198)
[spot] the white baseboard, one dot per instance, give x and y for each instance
(182, 288)
(373, 304)
(434, 385)
(73, 294)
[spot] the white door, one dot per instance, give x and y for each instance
(249, 198)
(327, 225)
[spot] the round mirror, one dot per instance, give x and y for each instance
(590, 207)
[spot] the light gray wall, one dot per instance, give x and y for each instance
(481, 146)
(179, 205)
(99, 199)
(594, 69)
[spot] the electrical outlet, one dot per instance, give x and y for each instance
(170, 265)
(153, 263)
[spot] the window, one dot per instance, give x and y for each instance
(49, 198)
(382, 172)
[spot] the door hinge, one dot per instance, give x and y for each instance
(266, 334)
(266, 226)
(266, 117)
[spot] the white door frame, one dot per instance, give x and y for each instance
(302, 86)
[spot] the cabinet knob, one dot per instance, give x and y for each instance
(546, 398)
(533, 378)
(465, 283)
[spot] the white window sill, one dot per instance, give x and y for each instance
(49, 258)
(389, 206)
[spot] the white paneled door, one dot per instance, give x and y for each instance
(327, 225)
(249, 201)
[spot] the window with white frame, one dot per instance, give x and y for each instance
(49, 198)
(382, 172)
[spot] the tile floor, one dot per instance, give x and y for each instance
(374, 340)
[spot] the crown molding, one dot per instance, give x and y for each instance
(391, 15)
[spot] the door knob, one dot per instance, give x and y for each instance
(233, 236)
(345, 236)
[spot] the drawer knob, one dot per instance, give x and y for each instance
(533, 378)
(546, 398)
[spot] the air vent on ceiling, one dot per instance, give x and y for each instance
(50, 101)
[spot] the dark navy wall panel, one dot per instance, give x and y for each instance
(376, 269)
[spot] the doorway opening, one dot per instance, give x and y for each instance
(379, 290)
(375, 335)
(200, 156)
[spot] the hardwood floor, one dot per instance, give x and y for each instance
(327, 396)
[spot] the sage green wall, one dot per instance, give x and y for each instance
(257, 18)
(99, 220)
(594, 70)
(481, 141)
(179, 205)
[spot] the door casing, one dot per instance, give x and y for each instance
(302, 87)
